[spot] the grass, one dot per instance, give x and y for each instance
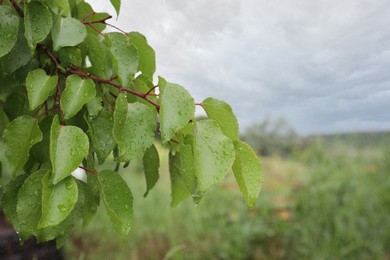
(322, 204)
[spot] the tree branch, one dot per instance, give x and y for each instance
(47, 112)
(49, 54)
(87, 170)
(78, 71)
(17, 8)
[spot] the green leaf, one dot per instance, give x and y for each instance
(223, 114)
(118, 201)
(147, 59)
(134, 128)
(39, 87)
(94, 106)
(187, 167)
(184, 172)
(68, 147)
(63, 229)
(214, 154)
(99, 56)
(117, 5)
(143, 85)
(83, 10)
(29, 204)
(67, 32)
(100, 130)
(248, 172)
(40, 151)
(70, 56)
(19, 136)
(37, 23)
(3, 121)
(124, 56)
(151, 163)
(9, 199)
(18, 57)
(57, 201)
(60, 6)
(92, 198)
(76, 94)
(177, 109)
(9, 27)
(16, 105)
(178, 186)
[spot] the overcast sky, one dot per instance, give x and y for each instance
(324, 65)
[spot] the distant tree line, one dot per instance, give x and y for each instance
(277, 137)
(273, 137)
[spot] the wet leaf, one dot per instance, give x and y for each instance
(213, 152)
(39, 87)
(134, 128)
(29, 204)
(37, 23)
(67, 32)
(9, 27)
(118, 201)
(9, 200)
(19, 136)
(117, 5)
(57, 201)
(248, 172)
(178, 186)
(124, 56)
(69, 145)
(100, 131)
(223, 114)
(76, 94)
(147, 59)
(151, 163)
(177, 109)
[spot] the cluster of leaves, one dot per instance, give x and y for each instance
(71, 96)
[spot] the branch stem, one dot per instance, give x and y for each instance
(79, 72)
(50, 55)
(88, 170)
(46, 112)
(17, 8)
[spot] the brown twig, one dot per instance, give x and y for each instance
(105, 97)
(38, 109)
(17, 8)
(88, 170)
(50, 55)
(113, 26)
(150, 90)
(46, 112)
(96, 30)
(78, 71)
(87, 16)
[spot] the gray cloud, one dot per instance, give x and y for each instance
(321, 64)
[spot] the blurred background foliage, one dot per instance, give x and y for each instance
(324, 197)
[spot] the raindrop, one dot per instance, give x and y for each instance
(69, 186)
(62, 208)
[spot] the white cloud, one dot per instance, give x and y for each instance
(322, 64)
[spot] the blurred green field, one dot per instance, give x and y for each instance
(322, 202)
